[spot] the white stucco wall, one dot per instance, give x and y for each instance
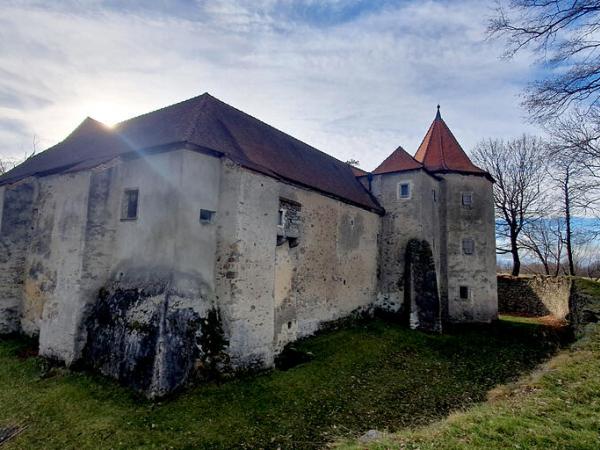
(173, 187)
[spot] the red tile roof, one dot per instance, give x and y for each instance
(210, 124)
(441, 152)
(398, 161)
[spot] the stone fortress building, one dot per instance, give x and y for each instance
(197, 236)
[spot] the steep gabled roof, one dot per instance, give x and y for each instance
(91, 141)
(441, 152)
(209, 124)
(398, 161)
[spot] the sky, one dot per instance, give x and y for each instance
(354, 78)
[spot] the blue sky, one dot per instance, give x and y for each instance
(354, 78)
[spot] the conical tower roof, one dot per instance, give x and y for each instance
(441, 152)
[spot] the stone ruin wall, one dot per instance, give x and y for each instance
(535, 296)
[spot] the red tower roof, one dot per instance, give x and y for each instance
(441, 152)
(398, 161)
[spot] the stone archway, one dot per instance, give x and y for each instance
(421, 295)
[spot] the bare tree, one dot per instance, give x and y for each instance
(7, 164)
(577, 137)
(563, 34)
(544, 240)
(519, 168)
(576, 192)
(4, 166)
(593, 269)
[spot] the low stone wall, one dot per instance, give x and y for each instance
(534, 296)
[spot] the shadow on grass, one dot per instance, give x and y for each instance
(375, 375)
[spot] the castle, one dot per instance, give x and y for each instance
(197, 234)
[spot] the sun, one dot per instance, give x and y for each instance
(110, 112)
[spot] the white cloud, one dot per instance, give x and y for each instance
(356, 88)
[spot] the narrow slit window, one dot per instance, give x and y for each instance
(434, 195)
(464, 292)
(206, 216)
(129, 208)
(281, 218)
(468, 246)
(467, 198)
(404, 190)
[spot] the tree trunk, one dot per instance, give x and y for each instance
(568, 224)
(514, 250)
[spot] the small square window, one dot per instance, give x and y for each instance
(464, 292)
(468, 246)
(467, 198)
(129, 206)
(206, 216)
(404, 190)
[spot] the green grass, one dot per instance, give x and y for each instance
(555, 407)
(588, 287)
(377, 375)
(558, 407)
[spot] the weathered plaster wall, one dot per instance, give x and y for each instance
(476, 271)
(53, 277)
(333, 267)
(64, 240)
(416, 217)
(15, 232)
(158, 284)
(246, 263)
(271, 294)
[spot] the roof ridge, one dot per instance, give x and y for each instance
(123, 122)
(443, 154)
(197, 112)
(423, 140)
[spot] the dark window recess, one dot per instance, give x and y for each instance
(404, 190)
(288, 221)
(206, 216)
(464, 292)
(468, 246)
(129, 208)
(434, 195)
(467, 199)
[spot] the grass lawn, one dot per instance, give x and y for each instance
(376, 375)
(555, 407)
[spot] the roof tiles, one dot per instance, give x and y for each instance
(441, 152)
(398, 161)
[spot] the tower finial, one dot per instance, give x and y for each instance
(438, 115)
